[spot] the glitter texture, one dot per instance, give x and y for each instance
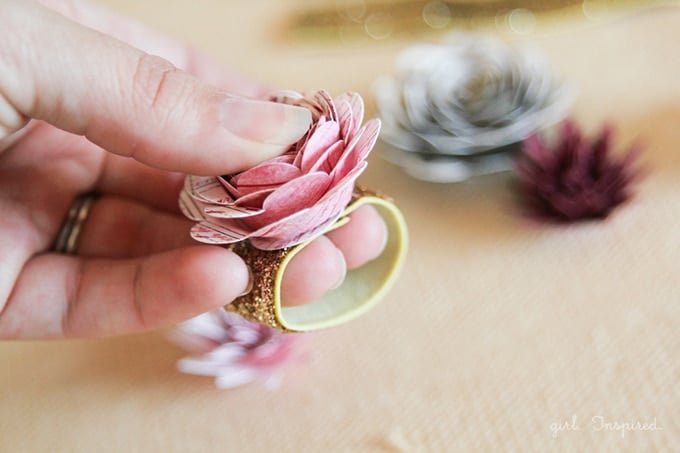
(258, 304)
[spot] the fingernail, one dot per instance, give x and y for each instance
(251, 282)
(265, 122)
(341, 257)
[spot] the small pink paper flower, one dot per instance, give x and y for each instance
(233, 350)
(290, 198)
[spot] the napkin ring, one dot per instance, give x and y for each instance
(362, 288)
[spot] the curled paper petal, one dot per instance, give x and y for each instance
(270, 174)
(460, 108)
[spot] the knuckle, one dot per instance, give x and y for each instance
(163, 94)
(11, 120)
(150, 83)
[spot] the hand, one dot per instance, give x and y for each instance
(81, 111)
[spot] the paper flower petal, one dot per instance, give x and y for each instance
(266, 175)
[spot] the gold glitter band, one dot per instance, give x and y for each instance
(362, 288)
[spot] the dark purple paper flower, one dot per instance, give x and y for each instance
(575, 178)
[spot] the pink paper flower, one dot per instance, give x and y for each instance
(233, 350)
(290, 198)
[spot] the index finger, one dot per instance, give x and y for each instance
(132, 103)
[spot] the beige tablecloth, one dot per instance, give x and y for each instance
(498, 332)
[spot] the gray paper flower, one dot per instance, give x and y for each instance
(459, 109)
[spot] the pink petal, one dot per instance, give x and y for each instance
(207, 189)
(286, 158)
(324, 99)
(322, 138)
(350, 177)
(302, 143)
(293, 196)
(330, 158)
(245, 206)
(290, 198)
(254, 199)
(346, 120)
(266, 174)
(190, 207)
(292, 230)
(231, 212)
(305, 224)
(213, 233)
(358, 149)
(287, 97)
(300, 193)
(233, 191)
(289, 234)
(350, 113)
(320, 103)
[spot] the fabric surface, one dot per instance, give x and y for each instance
(499, 332)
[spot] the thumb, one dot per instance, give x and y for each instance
(129, 102)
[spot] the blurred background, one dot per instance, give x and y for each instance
(301, 44)
(499, 329)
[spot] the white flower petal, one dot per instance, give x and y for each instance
(199, 366)
(235, 377)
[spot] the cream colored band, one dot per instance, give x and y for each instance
(361, 290)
